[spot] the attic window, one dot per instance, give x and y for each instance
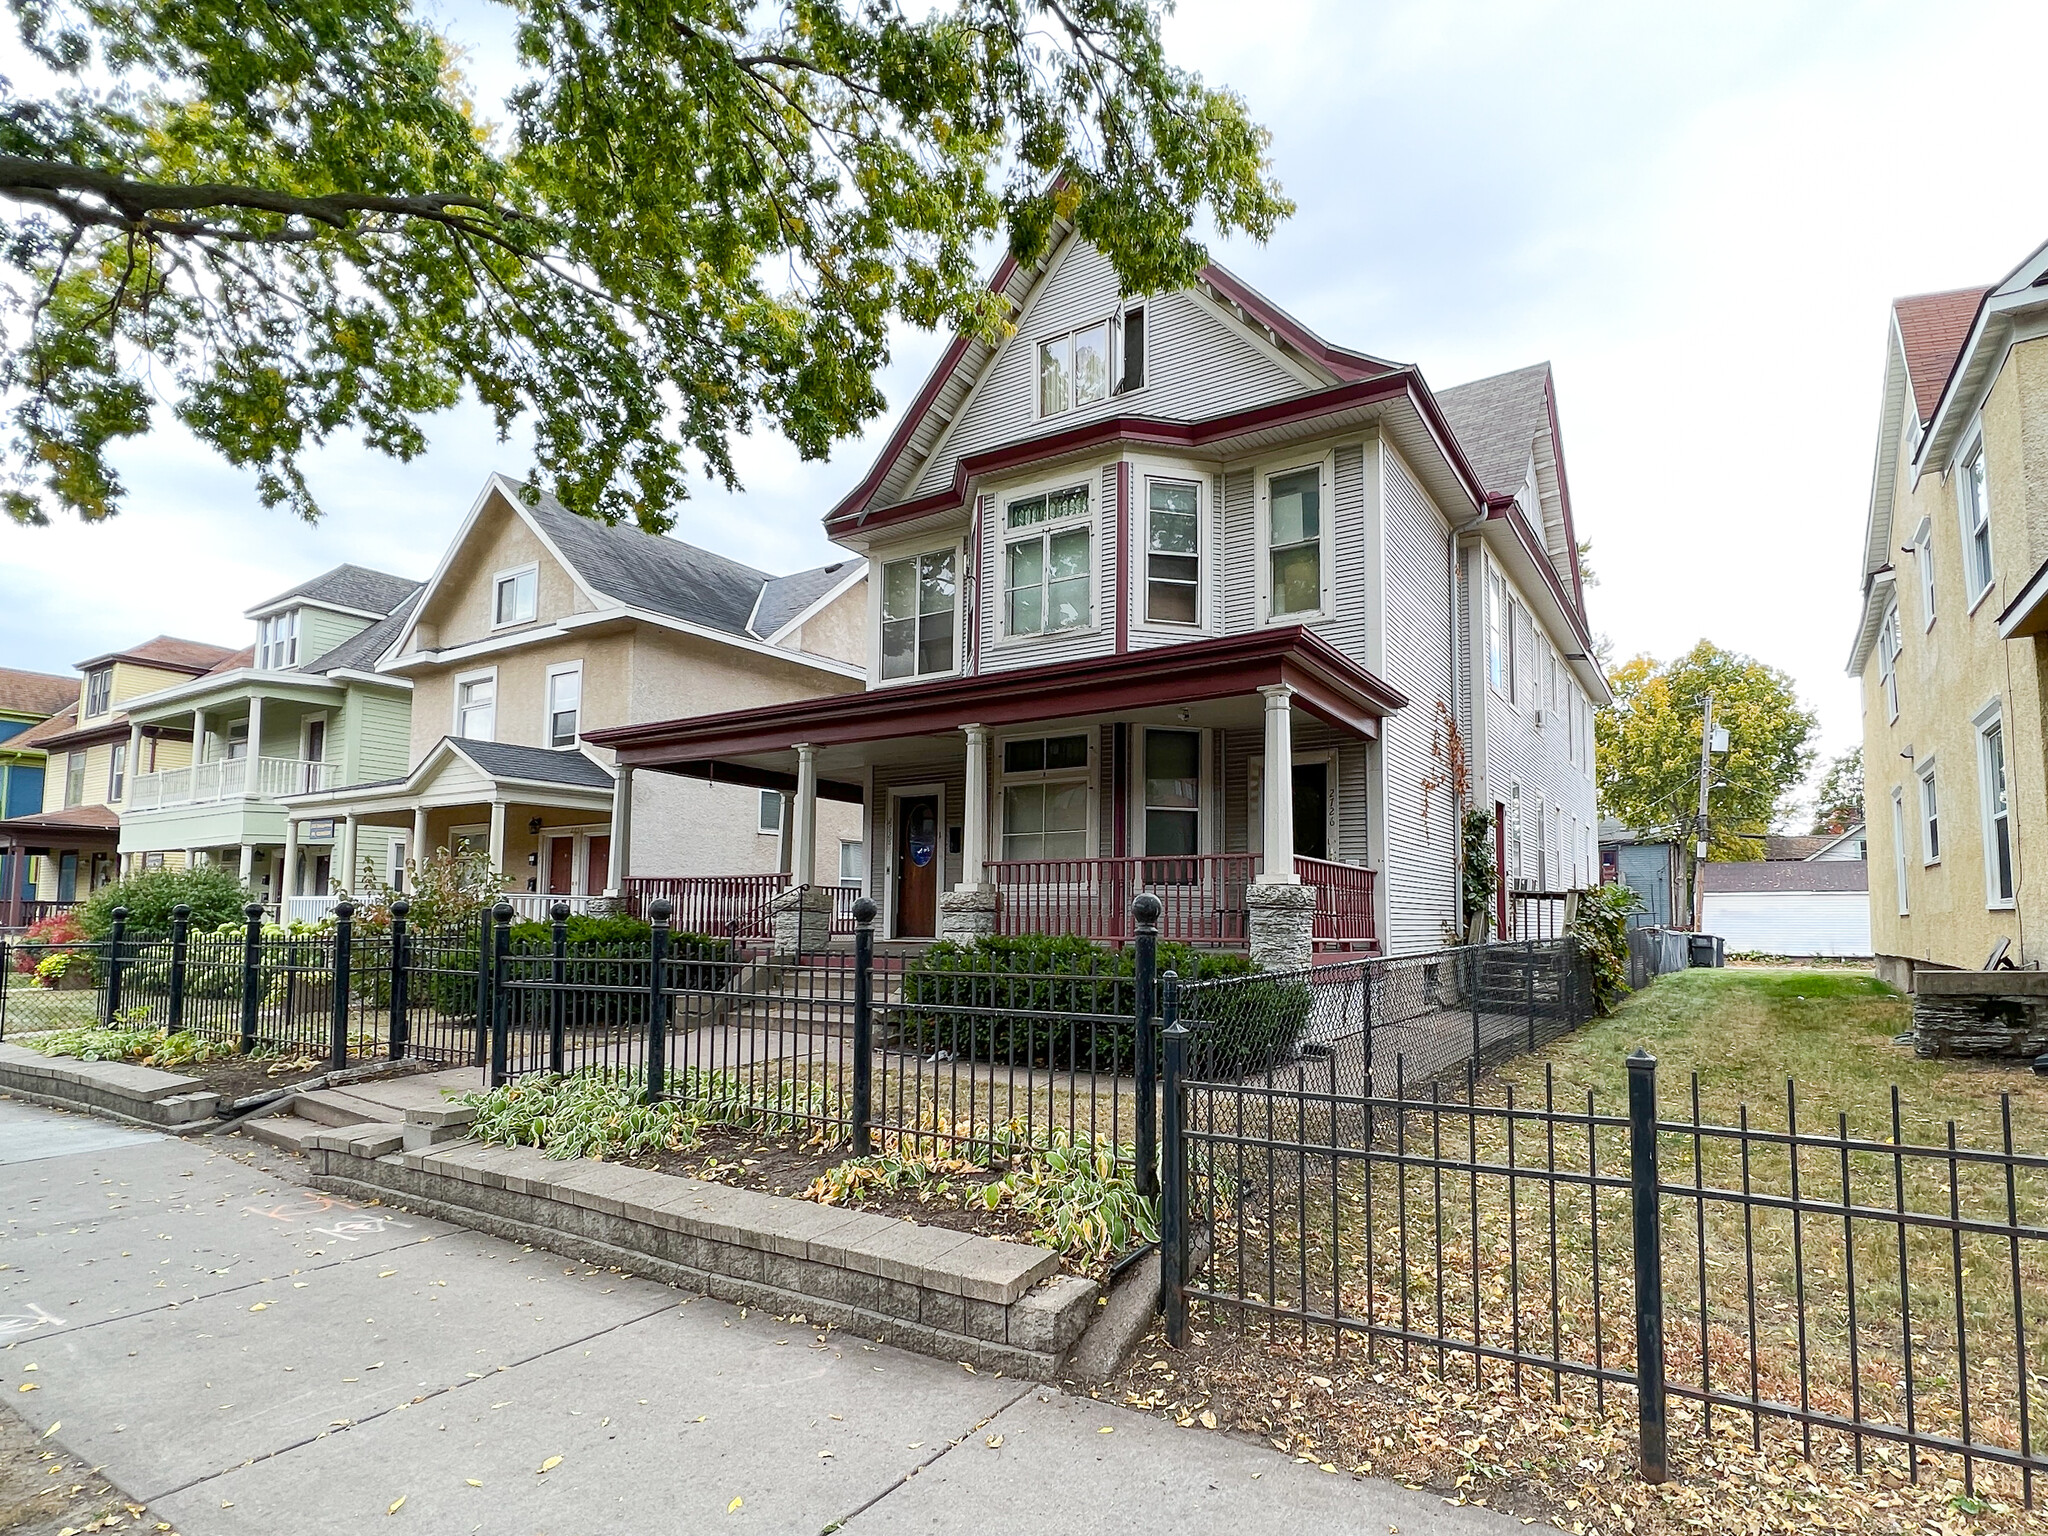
(99, 691)
(513, 597)
(277, 641)
(1088, 365)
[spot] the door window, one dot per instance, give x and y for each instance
(1173, 792)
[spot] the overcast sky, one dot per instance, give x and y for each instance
(1698, 218)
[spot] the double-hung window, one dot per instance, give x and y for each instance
(1173, 564)
(1888, 647)
(1294, 542)
(1500, 647)
(1173, 792)
(1998, 880)
(1046, 564)
(768, 815)
(277, 641)
(99, 691)
(917, 615)
(514, 597)
(476, 708)
(1923, 549)
(1899, 851)
(1045, 797)
(1930, 817)
(117, 771)
(74, 780)
(1974, 500)
(565, 704)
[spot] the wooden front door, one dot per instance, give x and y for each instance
(917, 866)
(561, 866)
(597, 877)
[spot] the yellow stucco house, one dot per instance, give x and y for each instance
(1950, 650)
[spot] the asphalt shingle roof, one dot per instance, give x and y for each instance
(1496, 421)
(787, 596)
(194, 656)
(359, 652)
(662, 575)
(36, 693)
(1934, 327)
(350, 586)
(504, 760)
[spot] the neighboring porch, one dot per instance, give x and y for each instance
(52, 861)
(546, 820)
(1035, 802)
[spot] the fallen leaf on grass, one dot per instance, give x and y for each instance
(28, 1386)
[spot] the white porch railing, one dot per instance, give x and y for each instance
(228, 779)
(526, 908)
(308, 909)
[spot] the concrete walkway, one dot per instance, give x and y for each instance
(249, 1356)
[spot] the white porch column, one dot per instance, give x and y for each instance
(1277, 787)
(253, 782)
(804, 866)
(622, 829)
(288, 877)
(134, 762)
(198, 736)
(974, 817)
(498, 840)
(347, 861)
(418, 852)
(249, 864)
(785, 833)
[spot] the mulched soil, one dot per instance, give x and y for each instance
(44, 1492)
(1559, 1465)
(784, 1168)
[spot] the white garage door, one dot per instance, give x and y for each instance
(1791, 922)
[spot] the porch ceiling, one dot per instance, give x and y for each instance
(1215, 682)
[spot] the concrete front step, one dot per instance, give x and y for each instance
(336, 1106)
(286, 1132)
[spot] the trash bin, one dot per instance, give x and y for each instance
(1707, 950)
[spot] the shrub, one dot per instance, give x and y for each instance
(605, 977)
(443, 891)
(1039, 1000)
(58, 928)
(51, 970)
(130, 1041)
(214, 894)
(599, 1114)
(1601, 932)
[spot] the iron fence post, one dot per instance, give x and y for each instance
(1529, 989)
(657, 997)
(558, 1050)
(1649, 1263)
(6, 970)
(1145, 911)
(481, 1052)
(252, 972)
(1173, 1194)
(863, 1022)
(181, 924)
(500, 947)
(337, 1002)
(114, 937)
(401, 958)
(1474, 966)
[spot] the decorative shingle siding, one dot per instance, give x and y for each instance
(1421, 834)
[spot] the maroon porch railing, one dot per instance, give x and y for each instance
(22, 914)
(737, 905)
(1536, 915)
(1344, 910)
(1201, 896)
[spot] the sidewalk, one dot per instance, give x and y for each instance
(248, 1356)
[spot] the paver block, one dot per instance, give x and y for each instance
(913, 1254)
(989, 1269)
(1054, 1315)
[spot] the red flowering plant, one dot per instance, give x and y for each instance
(58, 928)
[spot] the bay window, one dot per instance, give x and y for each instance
(1045, 797)
(917, 615)
(1172, 552)
(1047, 570)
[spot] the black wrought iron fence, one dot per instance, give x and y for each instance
(1885, 1292)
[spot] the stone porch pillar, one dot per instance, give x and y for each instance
(622, 829)
(968, 911)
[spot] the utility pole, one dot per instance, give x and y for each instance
(1699, 904)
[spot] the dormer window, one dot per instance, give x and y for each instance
(514, 597)
(1090, 364)
(99, 692)
(277, 641)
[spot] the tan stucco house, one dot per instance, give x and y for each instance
(1955, 619)
(538, 627)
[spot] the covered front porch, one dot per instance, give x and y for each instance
(51, 861)
(1044, 801)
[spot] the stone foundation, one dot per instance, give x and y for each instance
(1282, 919)
(967, 913)
(1981, 1013)
(802, 921)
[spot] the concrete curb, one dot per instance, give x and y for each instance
(113, 1090)
(948, 1294)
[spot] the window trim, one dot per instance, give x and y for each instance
(1139, 545)
(767, 798)
(74, 779)
(1930, 813)
(1986, 720)
(457, 684)
(860, 880)
(1899, 849)
(879, 565)
(1923, 545)
(513, 573)
(1207, 832)
(1971, 514)
(88, 710)
(1890, 645)
(1500, 634)
(547, 724)
(1262, 511)
(1000, 779)
(117, 772)
(1088, 478)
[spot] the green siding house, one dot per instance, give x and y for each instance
(302, 709)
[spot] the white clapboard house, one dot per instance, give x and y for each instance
(1130, 559)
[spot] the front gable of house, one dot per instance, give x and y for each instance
(500, 543)
(1200, 360)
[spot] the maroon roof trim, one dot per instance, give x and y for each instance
(1327, 683)
(1150, 432)
(1347, 365)
(1508, 512)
